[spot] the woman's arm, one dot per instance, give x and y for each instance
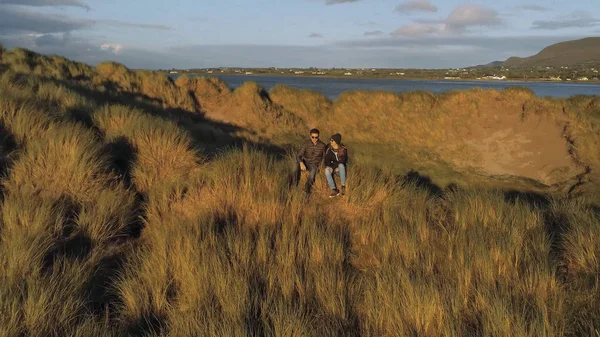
(342, 155)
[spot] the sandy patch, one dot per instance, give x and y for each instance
(532, 147)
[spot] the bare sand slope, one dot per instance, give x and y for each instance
(532, 146)
(507, 133)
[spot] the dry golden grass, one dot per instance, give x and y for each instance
(314, 108)
(115, 222)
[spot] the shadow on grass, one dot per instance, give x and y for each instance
(596, 209)
(101, 297)
(224, 220)
(533, 199)
(122, 155)
(151, 324)
(557, 225)
(8, 144)
(422, 182)
(223, 133)
(71, 242)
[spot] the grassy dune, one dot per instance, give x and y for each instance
(139, 206)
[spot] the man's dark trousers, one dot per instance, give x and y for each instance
(312, 174)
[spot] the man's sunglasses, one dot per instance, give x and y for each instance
(313, 137)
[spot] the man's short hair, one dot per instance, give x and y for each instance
(315, 131)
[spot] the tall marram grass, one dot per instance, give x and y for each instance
(113, 222)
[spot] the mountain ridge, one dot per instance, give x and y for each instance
(584, 51)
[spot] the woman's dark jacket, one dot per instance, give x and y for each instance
(335, 157)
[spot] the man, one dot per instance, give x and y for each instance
(336, 158)
(309, 158)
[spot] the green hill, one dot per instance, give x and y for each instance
(569, 53)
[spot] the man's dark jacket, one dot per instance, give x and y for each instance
(334, 158)
(312, 154)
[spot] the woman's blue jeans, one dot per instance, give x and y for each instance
(329, 176)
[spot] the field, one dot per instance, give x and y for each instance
(133, 205)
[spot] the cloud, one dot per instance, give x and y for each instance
(133, 25)
(21, 26)
(23, 20)
(457, 22)
(94, 51)
(472, 15)
(52, 39)
(315, 36)
(18, 20)
(115, 48)
(373, 33)
(334, 2)
(416, 6)
(575, 19)
(416, 29)
(40, 3)
(533, 8)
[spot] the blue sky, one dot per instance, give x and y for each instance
(285, 33)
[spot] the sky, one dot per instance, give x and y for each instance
(159, 34)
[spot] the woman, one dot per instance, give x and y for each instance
(335, 160)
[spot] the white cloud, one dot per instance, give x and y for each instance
(473, 15)
(51, 39)
(458, 22)
(93, 50)
(115, 48)
(416, 29)
(416, 6)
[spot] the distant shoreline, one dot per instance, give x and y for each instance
(590, 82)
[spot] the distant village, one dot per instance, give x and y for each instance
(580, 73)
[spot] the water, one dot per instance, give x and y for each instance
(333, 87)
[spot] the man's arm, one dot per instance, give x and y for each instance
(301, 153)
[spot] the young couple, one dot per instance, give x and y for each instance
(334, 156)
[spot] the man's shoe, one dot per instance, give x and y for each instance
(334, 193)
(343, 192)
